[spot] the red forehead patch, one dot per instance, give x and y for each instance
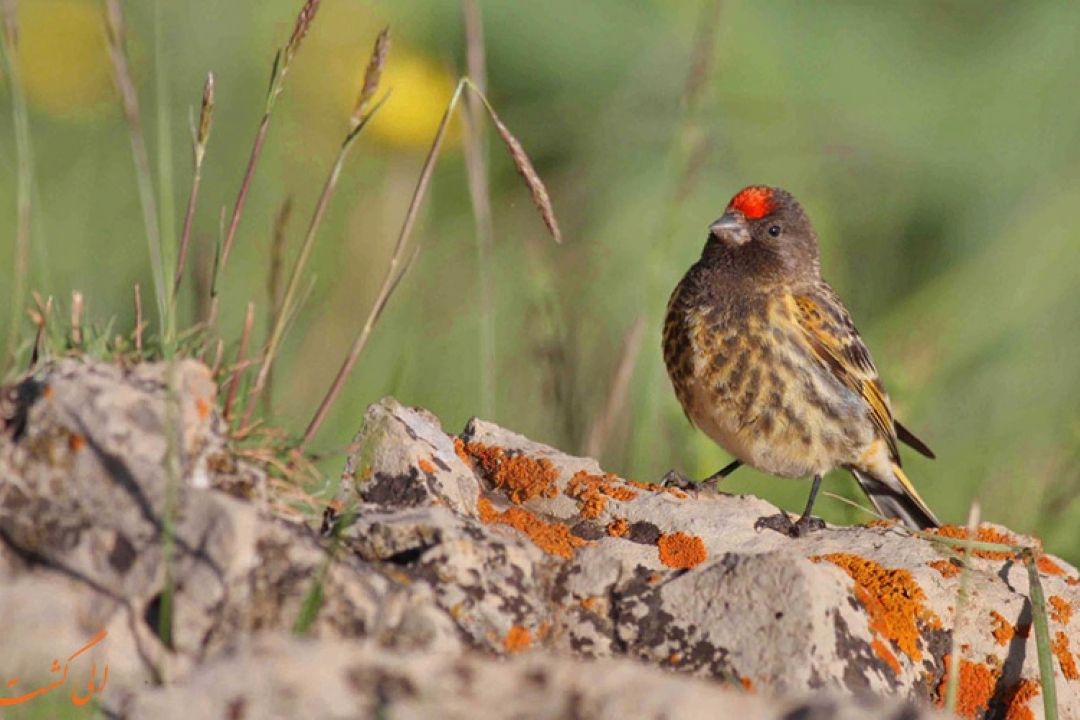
(754, 202)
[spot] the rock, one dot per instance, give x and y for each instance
(277, 677)
(481, 575)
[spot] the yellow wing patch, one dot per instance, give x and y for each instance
(831, 335)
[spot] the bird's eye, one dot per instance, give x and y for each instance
(774, 231)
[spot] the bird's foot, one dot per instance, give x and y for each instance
(782, 524)
(675, 479)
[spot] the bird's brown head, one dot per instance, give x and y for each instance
(765, 232)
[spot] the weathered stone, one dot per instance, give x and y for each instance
(454, 551)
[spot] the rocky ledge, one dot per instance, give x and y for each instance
(478, 575)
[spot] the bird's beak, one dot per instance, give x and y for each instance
(731, 228)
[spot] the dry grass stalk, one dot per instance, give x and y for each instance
(952, 687)
(476, 165)
(76, 318)
(201, 138)
(139, 324)
(219, 357)
(241, 354)
(282, 61)
(371, 80)
(703, 57)
(524, 166)
(300, 29)
(390, 282)
(393, 277)
(618, 390)
(9, 68)
(8, 10)
(130, 101)
(288, 302)
(273, 287)
(40, 318)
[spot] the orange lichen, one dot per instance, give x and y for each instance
(1048, 566)
(1003, 629)
(592, 492)
(657, 488)
(946, 568)
(1072, 581)
(47, 392)
(1019, 697)
(426, 466)
(1060, 647)
(459, 448)
(882, 651)
(517, 639)
(674, 658)
(985, 533)
(679, 550)
(619, 527)
(76, 442)
(893, 600)
(521, 476)
(589, 603)
(202, 408)
(747, 683)
(976, 688)
(883, 523)
(553, 538)
(1061, 609)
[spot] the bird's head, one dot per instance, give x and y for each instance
(768, 229)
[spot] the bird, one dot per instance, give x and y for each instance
(766, 361)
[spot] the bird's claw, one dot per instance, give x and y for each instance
(782, 524)
(675, 479)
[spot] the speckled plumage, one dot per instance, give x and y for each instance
(765, 359)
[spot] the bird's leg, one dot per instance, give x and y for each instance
(674, 478)
(722, 473)
(806, 523)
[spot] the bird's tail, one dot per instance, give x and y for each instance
(896, 497)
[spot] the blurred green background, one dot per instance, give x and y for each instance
(934, 144)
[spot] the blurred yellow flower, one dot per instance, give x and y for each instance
(329, 72)
(64, 58)
(420, 92)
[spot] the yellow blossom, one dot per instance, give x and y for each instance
(63, 57)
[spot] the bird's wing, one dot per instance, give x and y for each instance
(912, 441)
(827, 328)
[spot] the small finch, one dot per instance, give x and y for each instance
(766, 361)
